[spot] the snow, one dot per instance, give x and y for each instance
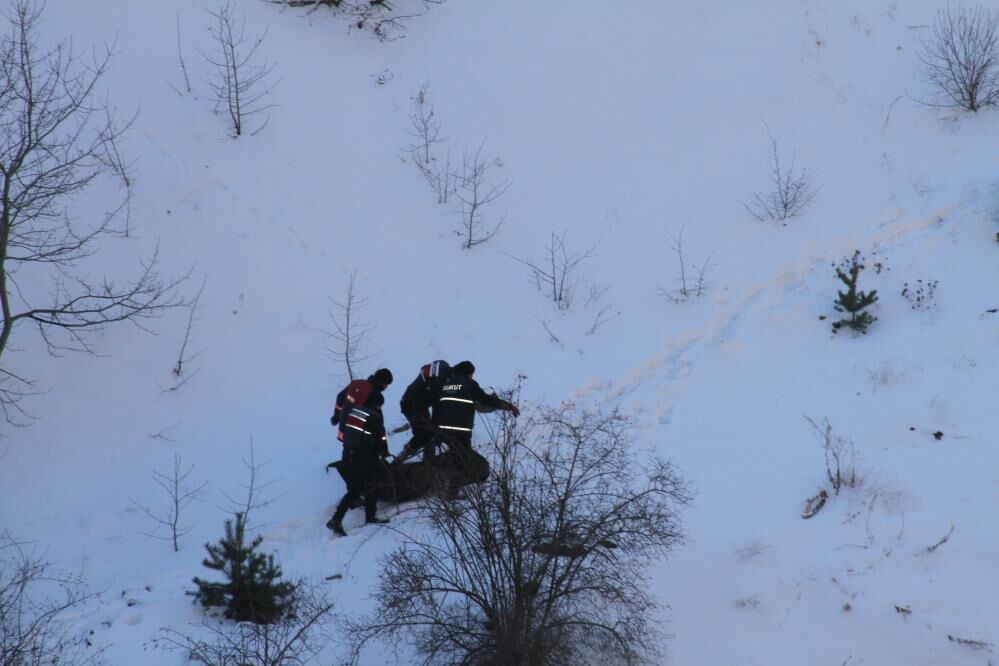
(615, 125)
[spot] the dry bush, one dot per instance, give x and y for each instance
(961, 58)
(37, 609)
(546, 561)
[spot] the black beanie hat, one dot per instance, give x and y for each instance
(382, 376)
(465, 368)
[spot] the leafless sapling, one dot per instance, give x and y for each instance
(181, 372)
(181, 63)
(557, 275)
(791, 190)
(543, 563)
(475, 191)
(239, 83)
(840, 456)
(961, 58)
(255, 489)
(604, 315)
(425, 128)
(343, 343)
(58, 137)
(37, 609)
(692, 278)
(179, 494)
(545, 324)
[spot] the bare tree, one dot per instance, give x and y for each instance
(256, 497)
(557, 274)
(37, 610)
(692, 278)
(475, 192)
(239, 83)
(57, 138)
(546, 561)
(291, 641)
(961, 57)
(425, 129)
(179, 494)
(343, 343)
(791, 190)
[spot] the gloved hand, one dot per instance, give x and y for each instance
(334, 420)
(510, 407)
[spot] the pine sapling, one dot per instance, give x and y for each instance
(252, 591)
(853, 301)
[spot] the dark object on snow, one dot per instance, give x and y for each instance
(405, 482)
(938, 435)
(814, 504)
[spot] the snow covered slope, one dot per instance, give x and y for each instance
(617, 126)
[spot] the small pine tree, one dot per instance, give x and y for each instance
(252, 591)
(853, 301)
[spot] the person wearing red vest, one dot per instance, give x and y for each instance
(364, 445)
(356, 392)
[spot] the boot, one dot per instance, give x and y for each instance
(376, 520)
(336, 525)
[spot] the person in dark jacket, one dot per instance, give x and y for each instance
(455, 407)
(380, 380)
(364, 444)
(415, 405)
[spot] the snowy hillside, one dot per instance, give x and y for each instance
(621, 128)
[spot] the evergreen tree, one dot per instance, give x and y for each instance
(252, 591)
(853, 301)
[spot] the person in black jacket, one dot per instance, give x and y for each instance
(364, 444)
(454, 410)
(380, 380)
(415, 405)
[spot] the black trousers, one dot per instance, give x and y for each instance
(359, 476)
(424, 437)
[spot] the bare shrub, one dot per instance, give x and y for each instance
(691, 280)
(543, 563)
(475, 191)
(840, 456)
(58, 137)
(384, 19)
(37, 608)
(961, 58)
(791, 190)
(239, 83)
(557, 275)
(295, 639)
